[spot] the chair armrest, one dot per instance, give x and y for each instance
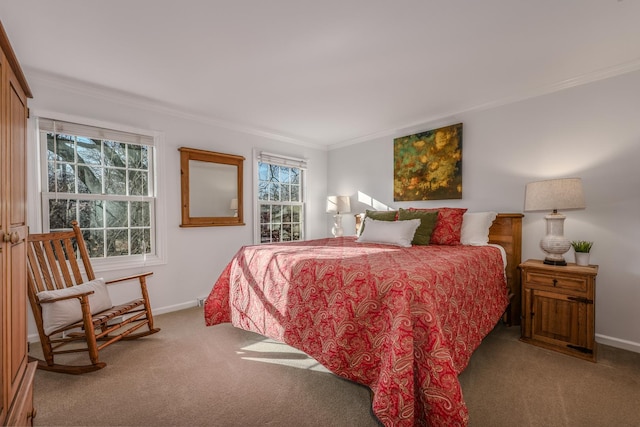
(84, 294)
(135, 276)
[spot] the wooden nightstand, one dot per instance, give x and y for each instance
(558, 307)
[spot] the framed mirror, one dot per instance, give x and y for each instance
(211, 186)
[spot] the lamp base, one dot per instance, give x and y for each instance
(554, 262)
(337, 230)
(554, 244)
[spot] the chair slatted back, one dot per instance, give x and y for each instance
(54, 260)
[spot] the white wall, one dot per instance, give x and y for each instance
(196, 256)
(590, 131)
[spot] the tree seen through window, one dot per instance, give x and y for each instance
(280, 203)
(105, 186)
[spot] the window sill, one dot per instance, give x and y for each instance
(125, 262)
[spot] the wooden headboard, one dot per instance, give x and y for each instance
(506, 231)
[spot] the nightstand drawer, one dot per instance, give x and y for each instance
(556, 281)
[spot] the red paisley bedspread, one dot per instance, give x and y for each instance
(403, 321)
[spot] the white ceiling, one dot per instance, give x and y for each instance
(326, 72)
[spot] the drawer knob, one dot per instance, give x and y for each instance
(555, 282)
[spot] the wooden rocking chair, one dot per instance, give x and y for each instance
(72, 309)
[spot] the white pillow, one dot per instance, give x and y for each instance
(398, 233)
(475, 228)
(61, 313)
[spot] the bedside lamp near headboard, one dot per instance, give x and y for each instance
(338, 205)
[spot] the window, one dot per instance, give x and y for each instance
(105, 180)
(280, 200)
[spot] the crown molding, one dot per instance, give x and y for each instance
(450, 117)
(135, 101)
(126, 98)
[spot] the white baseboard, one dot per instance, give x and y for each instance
(618, 343)
(176, 307)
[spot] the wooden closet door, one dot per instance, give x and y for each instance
(16, 375)
(3, 272)
(17, 156)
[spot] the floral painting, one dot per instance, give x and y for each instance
(428, 165)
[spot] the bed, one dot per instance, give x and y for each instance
(379, 315)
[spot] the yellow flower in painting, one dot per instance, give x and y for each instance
(441, 139)
(434, 166)
(413, 183)
(419, 144)
(424, 159)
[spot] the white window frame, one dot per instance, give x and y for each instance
(158, 214)
(280, 160)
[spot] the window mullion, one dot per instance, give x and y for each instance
(103, 174)
(89, 196)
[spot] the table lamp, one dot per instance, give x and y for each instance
(338, 205)
(554, 194)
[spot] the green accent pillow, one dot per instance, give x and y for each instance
(427, 224)
(379, 215)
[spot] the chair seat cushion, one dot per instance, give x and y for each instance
(57, 315)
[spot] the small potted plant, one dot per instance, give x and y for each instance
(582, 249)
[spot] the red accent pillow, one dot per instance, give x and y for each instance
(448, 226)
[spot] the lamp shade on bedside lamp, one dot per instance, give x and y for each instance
(553, 195)
(338, 205)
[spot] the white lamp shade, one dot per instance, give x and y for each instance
(554, 194)
(338, 204)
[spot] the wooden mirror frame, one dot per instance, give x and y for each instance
(188, 154)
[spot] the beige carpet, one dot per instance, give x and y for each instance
(192, 375)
